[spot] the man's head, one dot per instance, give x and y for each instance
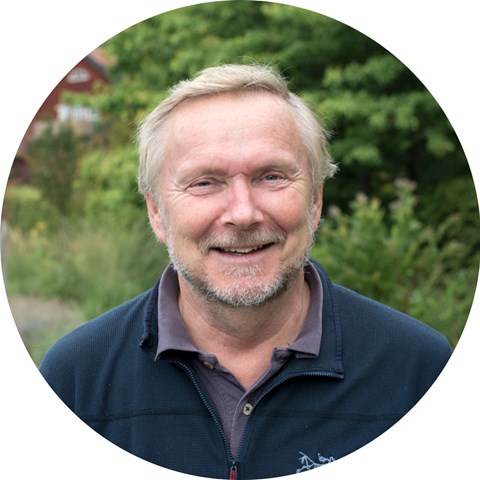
(234, 192)
(225, 79)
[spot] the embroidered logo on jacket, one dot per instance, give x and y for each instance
(309, 464)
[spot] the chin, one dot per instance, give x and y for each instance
(245, 289)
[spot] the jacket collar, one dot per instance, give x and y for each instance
(329, 361)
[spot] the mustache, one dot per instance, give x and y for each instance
(241, 239)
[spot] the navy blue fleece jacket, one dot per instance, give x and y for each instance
(374, 365)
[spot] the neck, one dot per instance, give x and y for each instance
(243, 339)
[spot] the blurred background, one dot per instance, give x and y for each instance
(401, 218)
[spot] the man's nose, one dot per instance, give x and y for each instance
(241, 209)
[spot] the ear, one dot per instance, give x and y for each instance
(317, 206)
(156, 221)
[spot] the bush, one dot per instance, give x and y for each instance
(106, 188)
(38, 263)
(97, 267)
(391, 256)
(455, 198)
(26, 209)
(112, 264)
(55, 156)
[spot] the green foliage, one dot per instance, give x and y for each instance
(454, 198)
(55, 156)
(98, 267)
(393, 257)
(38, 263)
(26, 208)
(112, 264)
(105, 187)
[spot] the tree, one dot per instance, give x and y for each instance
(385, 124)
(54, 159)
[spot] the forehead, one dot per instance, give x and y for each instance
(248, 99)
(228, 120)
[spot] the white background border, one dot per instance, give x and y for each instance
(41, 41)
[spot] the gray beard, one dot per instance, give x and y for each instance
(243, 291)
(238, 294)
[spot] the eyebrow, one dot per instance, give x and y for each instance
(199, 170)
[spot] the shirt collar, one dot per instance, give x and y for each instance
(173, 335)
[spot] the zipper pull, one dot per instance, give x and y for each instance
(233, 472)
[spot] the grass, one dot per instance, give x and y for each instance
(83, 270)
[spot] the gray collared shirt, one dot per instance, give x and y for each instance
(233, 402)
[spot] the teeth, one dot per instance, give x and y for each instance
(242, 250)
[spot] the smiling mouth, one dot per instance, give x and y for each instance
(241, 243)
(243, 250)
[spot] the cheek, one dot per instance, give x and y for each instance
(192, 219)
(291, 213)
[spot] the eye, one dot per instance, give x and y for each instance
(203, 186)
(273, 177)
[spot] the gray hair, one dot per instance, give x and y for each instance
(227, 79)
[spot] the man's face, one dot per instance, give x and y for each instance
(236, 206)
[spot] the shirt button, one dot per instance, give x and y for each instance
(247, 409)
(209, 365)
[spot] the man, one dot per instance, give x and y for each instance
(243, 361)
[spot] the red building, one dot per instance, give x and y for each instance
(83, 78)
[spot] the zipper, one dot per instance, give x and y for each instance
(233, 471)
(272, 387)
(233, 464)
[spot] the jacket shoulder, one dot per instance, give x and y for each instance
(97, 342)
(368, 324)
(363, 317)
(356, 305)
